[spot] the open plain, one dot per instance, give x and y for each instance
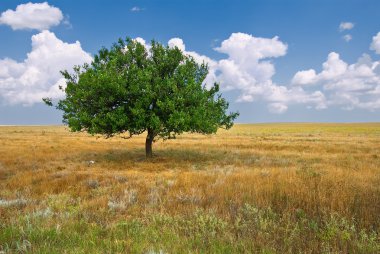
(259, 188)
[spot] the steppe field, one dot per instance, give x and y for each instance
(260, 188)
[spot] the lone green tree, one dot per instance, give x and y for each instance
(129, 89)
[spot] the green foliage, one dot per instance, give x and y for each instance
(129, 89)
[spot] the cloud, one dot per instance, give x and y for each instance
(348, 86)
(247, 68)
(346, 26)
(141, 41)
(176, 42)
(333, 67)
(304, 77)
(39, 75)
(136, 9)
(277, 108)
(375, 45)
(347, 37)
(39, 16)
(245, 47)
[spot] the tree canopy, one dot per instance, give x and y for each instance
(130, 89)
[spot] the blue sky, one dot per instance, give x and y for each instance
(309, 72)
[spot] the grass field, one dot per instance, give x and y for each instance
(262, 188)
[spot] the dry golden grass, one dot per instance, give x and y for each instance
(315, 169)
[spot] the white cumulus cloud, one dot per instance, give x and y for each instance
(247, 68)
(346, 26)
(348, 86)
(304, 77)
(277, 108)
(176, 42)
(333, 67)
(244, 47)
(38, 76)
(39, 16)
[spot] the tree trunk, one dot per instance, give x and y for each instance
(148, 144)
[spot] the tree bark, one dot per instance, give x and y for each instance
(148, 144)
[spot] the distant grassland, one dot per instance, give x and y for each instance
(257, 188)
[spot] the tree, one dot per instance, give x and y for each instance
(129, 89)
